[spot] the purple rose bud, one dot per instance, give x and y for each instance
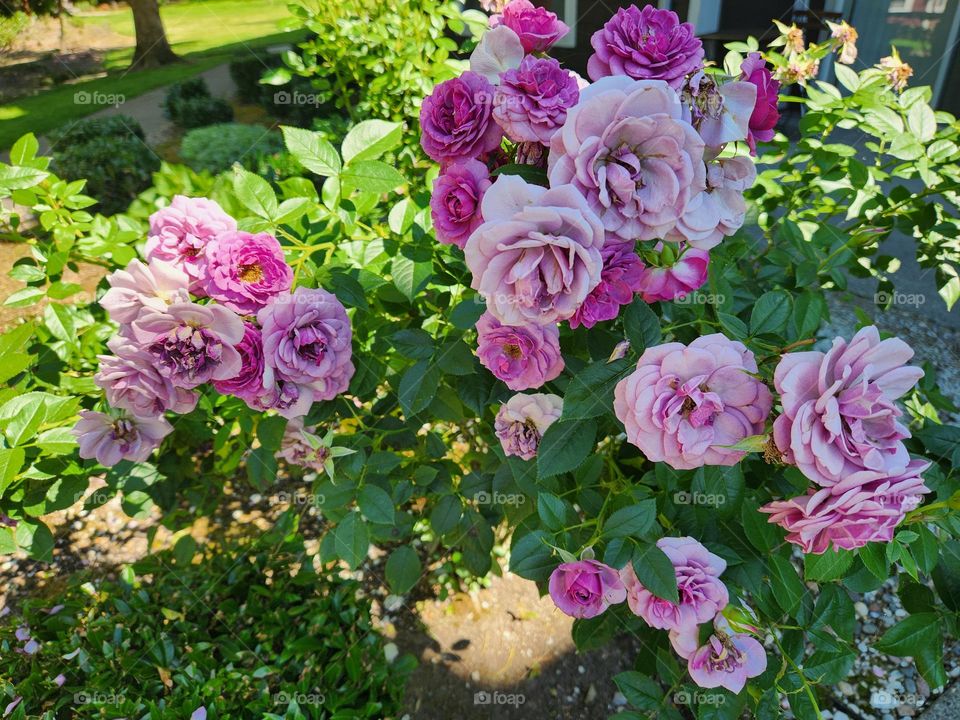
(585, 588)
(456, 120)
(523, 357)
(124, 437)
(537, 27)
(455, 202)
(766, 112)
(244, 271)
(648, 44)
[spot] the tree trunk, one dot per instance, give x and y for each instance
(153, 49)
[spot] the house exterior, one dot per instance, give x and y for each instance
(926, 32)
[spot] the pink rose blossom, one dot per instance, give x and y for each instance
(498, 50)
(537, 255)
(839, 416)
(140, 285)
(244, 270)
(627, 150)
(765, 113)
(191, 344)
(112, 439)
(537, 27)
(677, 280)
(132, 382)
(620, 278)
(718, 211)
(523, 357)
(307, 340)
(647, 44)
(455, 202)
(180, 232)
(247, 384)
(685, 405)
(302, 447)
(701, 592)
(866, 507)
(522, 421)
(456, 121)
(585, 588)
(532, 100)
(727, 661)
(719, 112)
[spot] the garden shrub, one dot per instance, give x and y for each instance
(247, 69)
(190, 105)
(216, 147)
(229, 629)
(111, 154)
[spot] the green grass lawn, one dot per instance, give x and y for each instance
(204, 34)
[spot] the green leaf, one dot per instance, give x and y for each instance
(370, 139)
(590, 392)
(312, 151)
(36, 538)
(56, 441)
(351, 540)
(788, 588)
(552, 511)
(770, 312)
(642, 325)
(656, 573)
(24, 297)
(847, 77)
(24, 150)
(410, 276)
(834, 609)
(808, 310)
(922, 122)
(403, 569)
(446, 514)
(831, 565)
(595, 632)
(19, 178)
(565, 445)
(531, 173)
(11, 460)
(376, 505)
(639, 690)
(946, 575)
(531, 558)
(270, 432)
(874, 557)
(414, 343)
(418, 387)
(918, 636)
(761, 534)
(262, 467)
(372, 176)
(631, 521)
(21, 416)
(255, 194)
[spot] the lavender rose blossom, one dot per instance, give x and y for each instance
(455, 202)
(840, 418)
(648, 44)
(130, 381)
(537, 255)
(685, 405)
(307, 340)
(180, 232)
(191, 344)
(585, 588)
(620, 278)
(244, 271)
(111, 439)
(140, 285)
(532, 100)
(456, 120)
(523, 419)
(727, 660)
(537, 27)
(522, 357)
(626, 148)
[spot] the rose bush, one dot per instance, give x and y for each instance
(615, 324)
